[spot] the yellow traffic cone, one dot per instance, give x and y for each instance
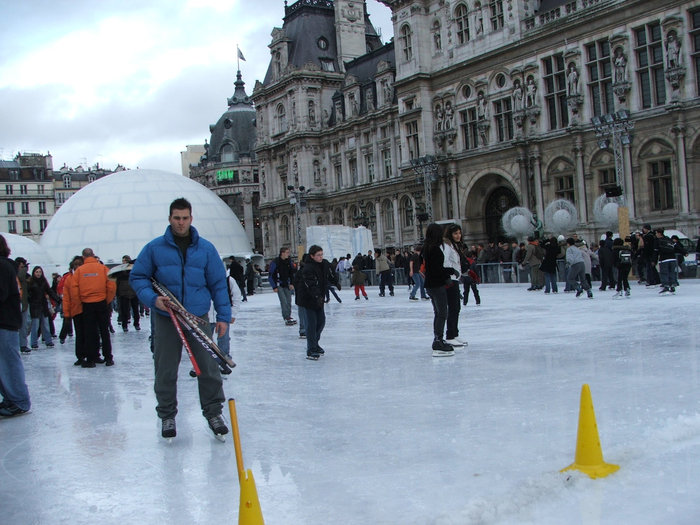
(249, 511)
(589, 455)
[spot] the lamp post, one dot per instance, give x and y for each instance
(613, 130)
(426, 167)
(298, 200)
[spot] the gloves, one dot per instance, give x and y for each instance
(338, 286)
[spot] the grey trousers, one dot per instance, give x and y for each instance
(167, 352)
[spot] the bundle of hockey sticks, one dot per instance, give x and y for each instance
(193, 324)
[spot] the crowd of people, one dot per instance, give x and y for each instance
(442, 269)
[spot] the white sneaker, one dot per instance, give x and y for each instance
(443, 353)
(455, 342)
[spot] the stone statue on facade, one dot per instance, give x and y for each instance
(517, 96)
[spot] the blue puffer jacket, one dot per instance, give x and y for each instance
(195, 282)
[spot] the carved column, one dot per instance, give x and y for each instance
(398, 237)
(248, 215)
(539, 198)
(444, 210)
(523, 163)
(629, 181)
(380, 225)
(581, 201)
(679, 131)
(456, 212)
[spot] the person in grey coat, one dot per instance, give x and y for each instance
(577, 269)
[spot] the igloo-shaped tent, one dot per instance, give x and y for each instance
(36, 255)
(118, 214)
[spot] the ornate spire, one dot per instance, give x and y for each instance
(239, 94)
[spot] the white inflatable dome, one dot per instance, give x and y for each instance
(36, 256)
(118, 214)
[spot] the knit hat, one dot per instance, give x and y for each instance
(561, 238)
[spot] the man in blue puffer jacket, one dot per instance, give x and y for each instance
(190, 267)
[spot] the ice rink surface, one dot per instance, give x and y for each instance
(378, 431)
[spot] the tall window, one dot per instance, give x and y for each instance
(565, 187)
(227, 153)
(23, 189)
(386, 162)
(496, 7)
(8, 189)
(555, 86)
(695, 40)
(406, 44)
(412, 139)
(462, 21)
(281, 117)
(285, 230)
(11, 226)
(600, 77)
(25, 208)
(66, 181)
(42, 225)
(10, 208)
(503, 115)
(26, 226)
(338, 176)
(369, 166)
(660, 183)
(407, 208)
(40, 189)
(470, 133)
(42, 207)
(352, 165)
(388, 215)
(650, 65)
(607, 178)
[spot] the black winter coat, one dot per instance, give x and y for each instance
(551, 252)
(314, 281)
(38, 302)
(436, 274)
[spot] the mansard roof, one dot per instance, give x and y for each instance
(364, 68)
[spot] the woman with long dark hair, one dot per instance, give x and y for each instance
(452, 248)
(438, 281)
(39, 292)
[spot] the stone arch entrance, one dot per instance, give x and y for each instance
(497, 203)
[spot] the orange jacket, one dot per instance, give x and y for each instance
(91, 283)
(71, 302)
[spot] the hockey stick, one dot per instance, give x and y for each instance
(186, 344)
(192, 322)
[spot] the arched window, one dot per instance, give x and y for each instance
(285, 230)
(407, 212)
(227, 154)
(561, 171)
(388, 215)
(337, 216)
(281, 117)
(462, 21)
(406, 44)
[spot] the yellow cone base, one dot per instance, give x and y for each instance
(594, 471)
(589, 454)
(249, 511)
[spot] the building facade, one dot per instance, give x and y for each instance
(26, 189)
(503, 97)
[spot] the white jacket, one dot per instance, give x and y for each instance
(452, 260)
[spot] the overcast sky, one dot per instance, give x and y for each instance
(128, 81)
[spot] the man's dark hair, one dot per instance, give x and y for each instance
(4, 247)
(570, 241)
(378, 250)
(180, 204)
(314, 249)
(283, 249)
(20, 260)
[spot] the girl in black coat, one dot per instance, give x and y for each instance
(437, 279)
(549, 264)
(38, 292)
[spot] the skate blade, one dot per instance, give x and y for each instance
(220, 437)
(312, 358)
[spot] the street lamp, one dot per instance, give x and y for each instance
(614, 130)
(426, 167)
(298, 200)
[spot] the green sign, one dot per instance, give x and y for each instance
(227, 175)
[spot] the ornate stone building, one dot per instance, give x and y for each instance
(502, 93)
(229, 166)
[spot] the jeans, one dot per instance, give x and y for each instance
(12, 384)
(285, 296)
(577, 277)
(301, 312)
(550, 279)
(418, 285)
(315, 321)
(45, 330)
(224, 341)
(386, 279)
(126, 304)
(446, 308)
(667, 273)
(24, 329)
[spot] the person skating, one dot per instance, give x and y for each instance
(13, 388)
(576, 274)
(189, 266)
(438, 279)
(281, 277)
